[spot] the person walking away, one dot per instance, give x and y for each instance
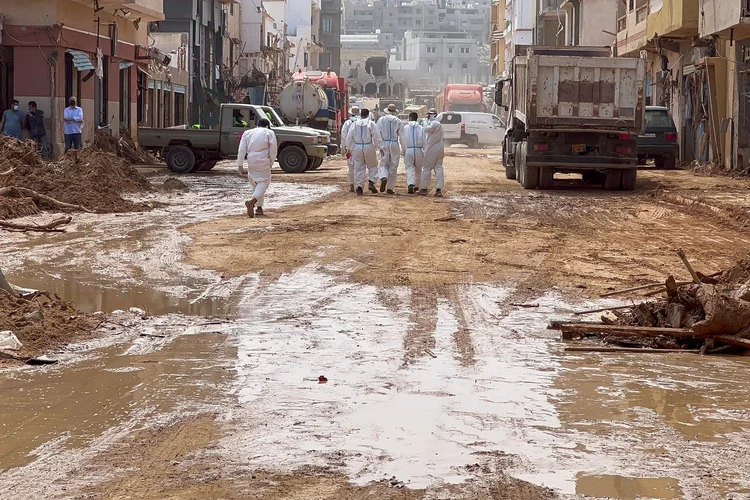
(363, 141)
(12, 121)
(35, 123)
(434, 150)
(73, 121)
(259, 144)
(353, 117)
(389, 126)
(412, 141)
(372, 172)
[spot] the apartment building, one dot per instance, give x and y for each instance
(330, 35)
(583, 22)
(51, 50)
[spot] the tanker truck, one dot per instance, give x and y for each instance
(572, 110)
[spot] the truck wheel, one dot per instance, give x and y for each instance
(518, 162)
(314, 163)
(510, 172)
(293, 160)
(546, 177)
(612, 179)
(628, 179)
(208, 165)
(180, 159)
(530, 175)
(472, 142)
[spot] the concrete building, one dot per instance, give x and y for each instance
(497, 39)
(365, 65)
(293, 20)
(330, 35)
(583, 22)
(432, 59)
(519, 27)
(388, 16)
(165, 96)
(48, 52)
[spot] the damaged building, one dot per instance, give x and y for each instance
(365, 64)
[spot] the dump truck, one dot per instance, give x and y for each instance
(461, 97)
(572, 110)
(192, 150)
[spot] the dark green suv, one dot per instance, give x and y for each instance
(659, 140)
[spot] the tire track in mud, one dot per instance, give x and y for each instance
(420, 335)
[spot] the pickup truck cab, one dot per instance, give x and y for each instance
(191, 150)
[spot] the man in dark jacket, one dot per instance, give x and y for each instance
(35, 123)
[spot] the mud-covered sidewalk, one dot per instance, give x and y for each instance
(376, 347)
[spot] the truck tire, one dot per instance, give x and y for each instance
(472, 141)
(628, 179)
(546, 177)
(510, 172)
(530, 175)
(518, 162)
(180, 159)
(293, 160)
(207, 165)
(314, 163)
(612, 179)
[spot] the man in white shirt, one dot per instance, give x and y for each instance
(73, 121)
(259, 144)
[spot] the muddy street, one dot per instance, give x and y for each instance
(390, 347)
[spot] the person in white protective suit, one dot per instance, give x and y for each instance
(434, 150)
(259, 144)
(363, 140)
(389, 126)
(354, 116)
(412, 140)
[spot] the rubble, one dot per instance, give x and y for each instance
(123, 147)
(709, 315)
(87, 178)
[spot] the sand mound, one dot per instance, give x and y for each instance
(44, 322)
(93, 179)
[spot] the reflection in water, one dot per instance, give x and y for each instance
(628, 488)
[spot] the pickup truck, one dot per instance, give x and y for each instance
(192, 150)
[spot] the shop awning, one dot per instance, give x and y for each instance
(81, 60)
(125, 65)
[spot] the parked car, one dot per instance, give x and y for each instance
(472, 128)
(659, 140)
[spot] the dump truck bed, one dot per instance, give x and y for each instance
(578, 89)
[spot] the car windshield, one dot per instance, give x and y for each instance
(658, 119)
(272, 116)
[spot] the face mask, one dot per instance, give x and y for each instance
(15, 108)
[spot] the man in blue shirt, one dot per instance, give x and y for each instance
(12, 121)
(73, 121)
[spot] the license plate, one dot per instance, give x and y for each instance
(648, 136)
(579, 148)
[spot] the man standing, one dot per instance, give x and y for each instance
(12, 121)
(412, 140)
(363, 140)
(35, 123)
(73, 121)
(353, 117)
(434, 150)
(389, 126)
(259, 144)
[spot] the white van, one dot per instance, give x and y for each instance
(472, 128)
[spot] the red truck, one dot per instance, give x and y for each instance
(461, 97)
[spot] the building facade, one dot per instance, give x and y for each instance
(52, 50)
(330, 35)
(365, 65)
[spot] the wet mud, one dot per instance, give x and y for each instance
(430, 390)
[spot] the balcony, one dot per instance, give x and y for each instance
(149, 10)
(733, 15)
(631, 29)
(676, 18)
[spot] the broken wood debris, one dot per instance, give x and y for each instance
(50, 227)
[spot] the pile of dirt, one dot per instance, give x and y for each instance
(92, 179)
(43, 322)
(174, 184)
(10, 208)
(122, 146)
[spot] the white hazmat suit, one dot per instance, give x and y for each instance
(363, 140)
(412, 141)
(389, 126)
(349, 161)
(259, 144)
(434, 151)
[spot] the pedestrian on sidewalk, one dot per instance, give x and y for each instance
(412, 140)
(12, 121)
(35, 123)
(72, 123)
(259, 144)
(434, 150)
(389, 126)
(353, 117)
(363, 141)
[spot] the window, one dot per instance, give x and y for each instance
(429, 68)
(326, 25)
(450, 65)
(464, 66)
(419, 21)
(325, 60)
(450, 50)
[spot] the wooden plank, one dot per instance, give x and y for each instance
(646, 331)
(642, 287)
(627, 349)
(733, 340)
(603, 309)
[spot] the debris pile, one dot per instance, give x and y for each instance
(83, 180)
(42, 322)
(710, 314)
(122, 146)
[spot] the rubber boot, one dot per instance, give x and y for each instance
(259, 211)
(383, 184)
(372, 188)
(438, 193)
(390, 191)
(411, 189)
(360, 192)
(250, 205)
(351, 188)
(422, 192)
